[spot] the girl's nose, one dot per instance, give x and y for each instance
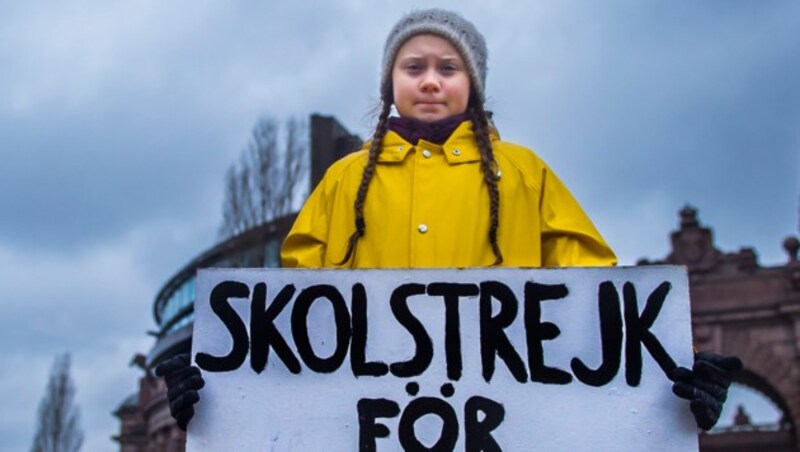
(429, 83)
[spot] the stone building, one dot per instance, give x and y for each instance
(741, 308)
(738, 308)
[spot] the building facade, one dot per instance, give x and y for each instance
(741, 308)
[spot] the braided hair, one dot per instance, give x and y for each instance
(491, 174)
(374, 149)
(481, 126)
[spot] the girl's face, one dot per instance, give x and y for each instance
(429, 79)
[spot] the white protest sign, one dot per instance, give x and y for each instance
(467, 360)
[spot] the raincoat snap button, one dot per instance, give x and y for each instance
(456, 152)
(426, 153)
(423, 228)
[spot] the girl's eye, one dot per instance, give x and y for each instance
(449, 69)
(413, 67)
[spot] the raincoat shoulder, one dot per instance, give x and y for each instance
(427, 206)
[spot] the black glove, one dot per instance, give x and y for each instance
(706, 385)
(183, 382)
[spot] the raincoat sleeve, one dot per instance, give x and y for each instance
(306, 242)
(569, 239)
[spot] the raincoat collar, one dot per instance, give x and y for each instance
(461, 147)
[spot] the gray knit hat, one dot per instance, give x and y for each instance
(448, 25)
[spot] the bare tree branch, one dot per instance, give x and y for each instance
(58, 428)
(267, 181)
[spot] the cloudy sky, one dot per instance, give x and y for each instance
(118, 120)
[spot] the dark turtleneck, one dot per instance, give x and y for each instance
(412, 129)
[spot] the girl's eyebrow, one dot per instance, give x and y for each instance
(447, 58)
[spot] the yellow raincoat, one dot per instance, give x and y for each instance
(428, 206)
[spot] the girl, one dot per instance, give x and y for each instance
(438, 188)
